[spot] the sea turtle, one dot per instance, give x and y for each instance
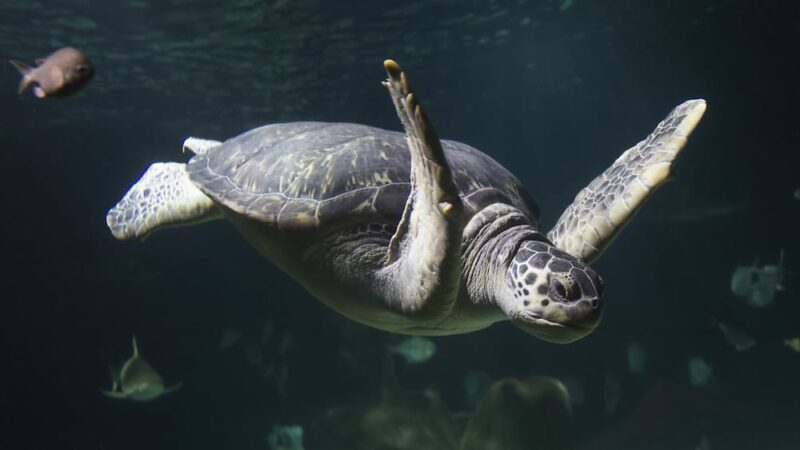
(405, 232)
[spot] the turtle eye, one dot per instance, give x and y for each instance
(560, 289)
(567, 291)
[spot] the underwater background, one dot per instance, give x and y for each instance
(554, 90)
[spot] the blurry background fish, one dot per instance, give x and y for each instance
(265, 350)
(736, 337)
(700, 371)
(793, 343)
(414, 349)
(637, 357)
(713, 211)
(285, 437)
(60, 74)
(758, 285)
(229, 338)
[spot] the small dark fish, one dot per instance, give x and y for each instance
(61, 74)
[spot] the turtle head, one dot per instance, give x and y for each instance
(551, 294)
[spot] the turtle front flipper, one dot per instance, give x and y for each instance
(603, 208)
(163, 197)
(423, 267)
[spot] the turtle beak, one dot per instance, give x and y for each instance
(558, 332)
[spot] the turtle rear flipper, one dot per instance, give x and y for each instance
(163, 197)
(602, 209)
(423, 266)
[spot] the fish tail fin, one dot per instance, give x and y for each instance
(135, 346)
(115, 388)
(25, 71)
(23, 68)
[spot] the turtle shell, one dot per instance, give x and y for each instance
(313, 175)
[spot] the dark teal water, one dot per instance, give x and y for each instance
(553, 90)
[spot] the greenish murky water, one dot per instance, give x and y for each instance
(687, 357)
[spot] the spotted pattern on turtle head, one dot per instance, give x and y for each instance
(551, 284)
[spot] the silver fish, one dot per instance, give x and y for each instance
(62, 73)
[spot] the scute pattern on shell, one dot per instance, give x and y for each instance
(312, 174)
